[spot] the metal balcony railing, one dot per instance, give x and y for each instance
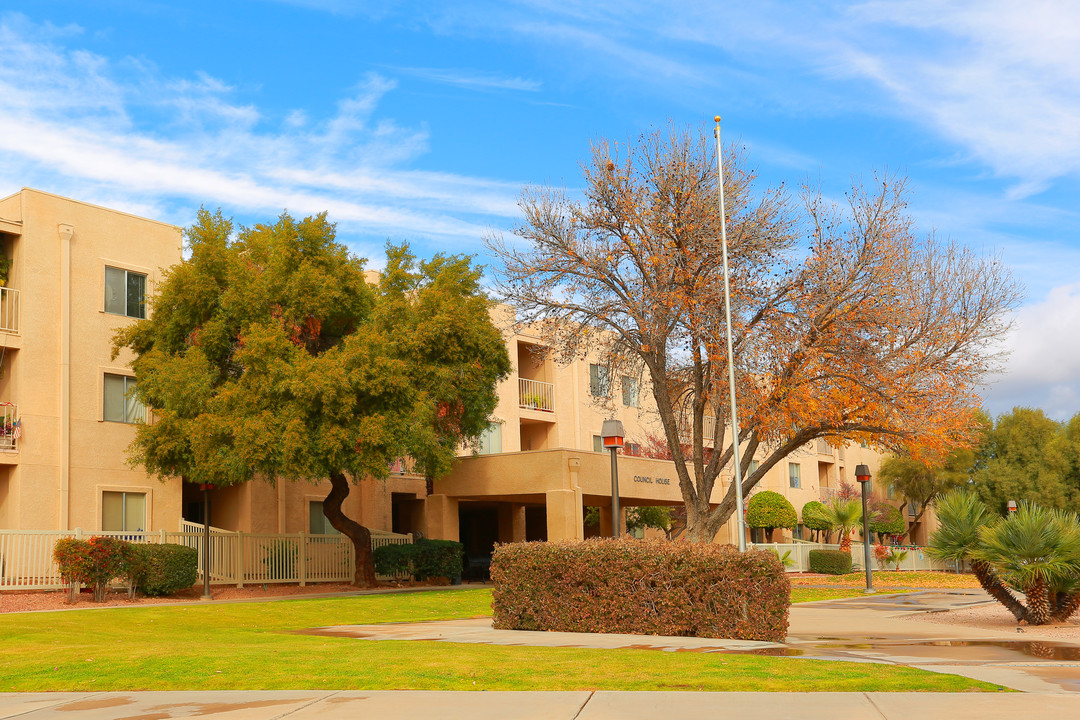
(9, 310)
(10, 426)
(536, 395)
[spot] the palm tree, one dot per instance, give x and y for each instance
(1034, 551)
(844, 515)
(1037, 551)
(960, 517)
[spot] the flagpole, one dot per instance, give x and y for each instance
(740, 518)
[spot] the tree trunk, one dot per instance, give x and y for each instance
(1067, 605)
(360, 535)
(991, 584)
(845, 541)
(1038, 602)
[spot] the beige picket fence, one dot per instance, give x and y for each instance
(236, 558)
(797, 556)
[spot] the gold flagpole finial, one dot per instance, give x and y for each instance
(717, 119)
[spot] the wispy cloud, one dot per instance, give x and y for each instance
(472, 79)
(122, 130)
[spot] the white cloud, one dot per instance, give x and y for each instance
(472, 79)
(77, 123)
(1043, 369)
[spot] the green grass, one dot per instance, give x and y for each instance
(809, 594)
(255, 646)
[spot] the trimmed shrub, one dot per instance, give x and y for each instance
(422, 559)
(813, 516)
(768, 509)
(830, 562)
(886, 519)
(95, 562)
(651, 587)
(164, 569)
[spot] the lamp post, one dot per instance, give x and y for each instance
(862, 474)
(1011, 505)
(613, 435)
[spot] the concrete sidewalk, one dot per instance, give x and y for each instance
(394, 705)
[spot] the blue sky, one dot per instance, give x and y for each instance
(421, 122)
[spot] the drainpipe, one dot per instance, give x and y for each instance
(66, 233)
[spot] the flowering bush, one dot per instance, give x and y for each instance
(95, 562)
(652, 587)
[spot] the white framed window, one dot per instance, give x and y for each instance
(599, 380)
(598, 443)
(120, 403)
(125, 292)
(630, 392)
(794, 473)
(318, 524)
(491, 440)
(123, 511)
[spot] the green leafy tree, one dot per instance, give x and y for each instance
(770, 510)
(1028, 457)
(815, 518)
(921, 482)
(657, 517)
(269, 357)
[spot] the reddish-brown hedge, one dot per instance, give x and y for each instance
(645, 587)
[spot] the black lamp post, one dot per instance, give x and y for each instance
(206, 488)
(862, 474)
(613, 435)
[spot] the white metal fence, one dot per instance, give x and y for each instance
(798, 556)
(26, 556)
(536, 395)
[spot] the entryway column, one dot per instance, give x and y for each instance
(511, 522)
(441, 513)
(564, 515)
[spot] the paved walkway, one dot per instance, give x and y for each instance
(402, 705)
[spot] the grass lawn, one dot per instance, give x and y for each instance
(255, 646)
(813, 594)
(892, 579)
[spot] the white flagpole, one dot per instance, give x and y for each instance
(740, 518)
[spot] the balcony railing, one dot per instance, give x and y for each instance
(536, 395)
(10, 427)
(708, 427)
(9, 310)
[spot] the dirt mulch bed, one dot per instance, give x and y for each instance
(57, 599)
(995, 617)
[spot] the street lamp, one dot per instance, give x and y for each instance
(613, 435)
(1011, 505)
(862, 474)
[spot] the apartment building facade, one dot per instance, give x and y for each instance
(80, 272)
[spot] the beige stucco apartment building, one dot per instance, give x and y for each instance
(79, 272)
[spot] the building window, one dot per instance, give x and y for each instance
(124, 511)
(794, 477)
(754, 465)
(318, 524)
(630, 392)
(120, 404)
(125, 293)
(599, 381)
(891, 491)
(598, 443)
(632, 448)
(491, 440)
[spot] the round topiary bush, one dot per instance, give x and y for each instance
(768, 509)
(886, 519)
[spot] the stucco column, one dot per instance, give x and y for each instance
(511, 522)
(442, 517)
(66, 233)
(564, 521)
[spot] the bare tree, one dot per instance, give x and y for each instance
(847, 325)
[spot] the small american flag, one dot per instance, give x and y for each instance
(16, 429)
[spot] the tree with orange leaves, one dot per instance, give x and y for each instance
(848, 325)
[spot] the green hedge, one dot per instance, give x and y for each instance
(652, 587)
(886, 519)
(164, 569)
(813, 516)
(422, 559)
(830, 562)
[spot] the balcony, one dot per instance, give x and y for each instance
(536, 395)
(708, 428)
(9, 310)
(10, 427)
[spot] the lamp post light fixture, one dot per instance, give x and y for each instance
(613, 435)
(862, 474)
(1011, 505)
